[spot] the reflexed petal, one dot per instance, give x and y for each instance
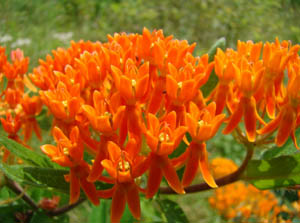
(250, 119)
(221, 95)
(118, 204)
(192, 165)
(234, 120)
(286, 126)
(74, 187)
(90, 191)
(171, 175)
(271, 126)
(97, 168)
(204, 166)
(154, 178)
(133, 200)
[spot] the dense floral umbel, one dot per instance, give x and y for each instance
(130, 101)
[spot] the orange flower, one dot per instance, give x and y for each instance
(276, 56)
(163, 138)
(202, 125)
(248, 81)
(62, 103)
(11, 125)
(287, 119)
(69, 153)
(226, 71)
(124, 166)
(31, 107)
(133, 83)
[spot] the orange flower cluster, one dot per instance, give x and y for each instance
(249, 86)
(242, 201)
(129, 103)
(19, 108)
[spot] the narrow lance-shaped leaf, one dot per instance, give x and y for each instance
(36, 176)
(26, 154)
(283, 171)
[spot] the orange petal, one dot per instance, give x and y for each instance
(171, 86)
(118, 204)
(74, 187)
(250, 119)
(142, 86)
(204, 167)
(133, 200)
(106, 193)
(166, 148)
(90, 191)
(286, 127)
(97, 167)
(171, 175)
(234, 120)
(114, 151)
(103, 124)
(271, 126)
(180, 160)
(221, 96)
(126, 88)
(110, 168)
(73, 106)
(116, 73)
(50, 150)
(187, 92)
(154, 178)
(192, 165)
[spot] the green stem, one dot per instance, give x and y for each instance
(16, 188)
(19, 190)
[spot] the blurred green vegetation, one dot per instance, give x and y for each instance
(40, 26)
(50, 24)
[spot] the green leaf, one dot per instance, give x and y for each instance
(220, 43)
(278, 172)
(288, 149)
(36, 176)
(26, 154)
(172, 211)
